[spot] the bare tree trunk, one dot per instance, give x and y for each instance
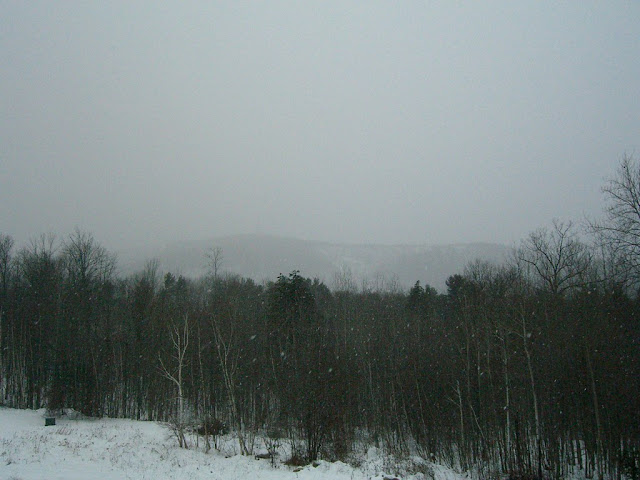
(525, 335)
(229, 367)
(462, 448)
(596, 410)
(180, 340)
(374, 403)
(203, 389)
(505, 362)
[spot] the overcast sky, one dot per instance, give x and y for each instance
(376, 122)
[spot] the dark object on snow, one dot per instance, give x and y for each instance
(49, 421)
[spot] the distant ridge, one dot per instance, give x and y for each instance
(264, 257)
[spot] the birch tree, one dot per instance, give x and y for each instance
(174, 373)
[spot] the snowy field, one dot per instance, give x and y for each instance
(125, 449)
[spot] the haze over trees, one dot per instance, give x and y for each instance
(530, 368)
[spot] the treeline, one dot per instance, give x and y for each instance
(530, 368)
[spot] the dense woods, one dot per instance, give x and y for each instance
(529, 368)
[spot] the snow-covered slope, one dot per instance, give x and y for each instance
(125, 449)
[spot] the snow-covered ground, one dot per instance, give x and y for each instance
(126, 449)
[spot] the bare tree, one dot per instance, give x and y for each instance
(150, 273)
(86, 261)
(620, 228)
(556, 257)
(344, 280)
(88, 275)
(180, 343)
(225, 343)
(6, 244)
(215, 258)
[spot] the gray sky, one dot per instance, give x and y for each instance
(377, 122)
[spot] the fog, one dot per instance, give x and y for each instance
(361, 122)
